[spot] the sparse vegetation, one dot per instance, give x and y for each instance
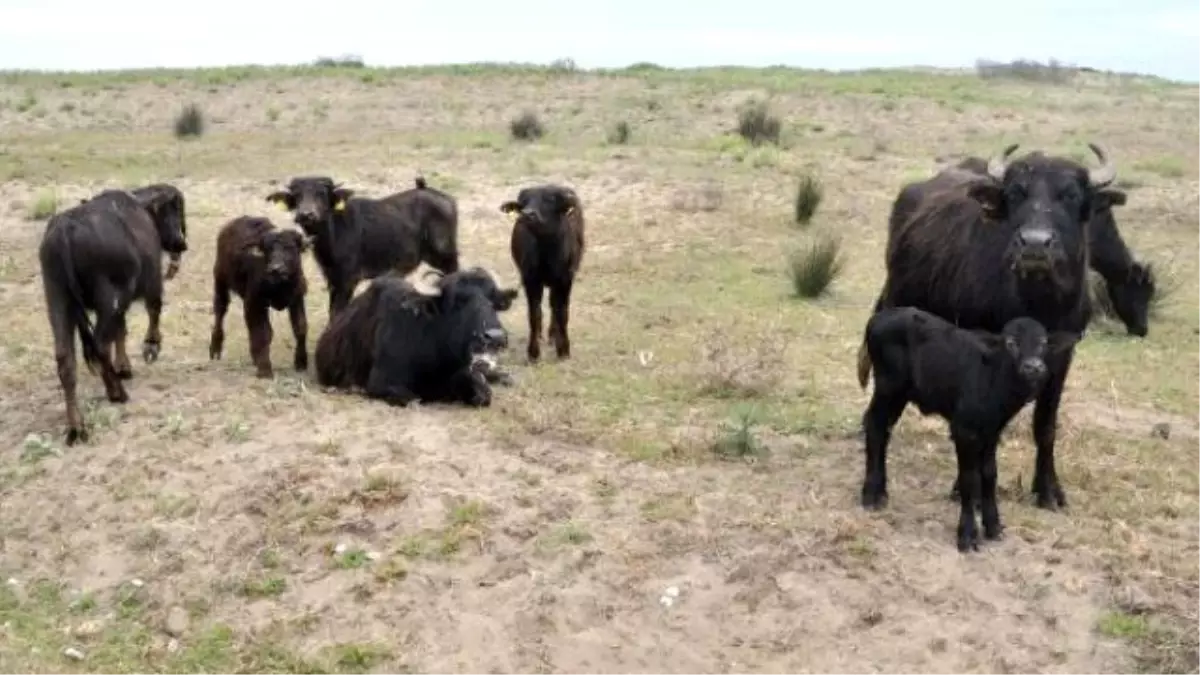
(44, 205)
(1052, 72)
(619, 134)
(190, 122)
(700, 448)
(813, 267)
(758, 125)
(808, 197)
(526, 127)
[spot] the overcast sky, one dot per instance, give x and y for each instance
(1161, 37)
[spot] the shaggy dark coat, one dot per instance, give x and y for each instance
(1011, 243)
(101, 256)
(401, 345)
(976, 381)
(262, 265)
(359, 238)
(547, 247)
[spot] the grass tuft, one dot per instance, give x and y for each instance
(813, 268)
(44, 205)
(190, 122)
(808, 198)
(526, 127)
(757, 125)
(620, 133)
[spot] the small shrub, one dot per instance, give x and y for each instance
(343, 61)
(816, 266)
(737, 439)
(190, 122)
(757, 125)
(1053, 72)
(272, 114)
(619, 134)
(44, 206)
(808, 198)
(526, 127)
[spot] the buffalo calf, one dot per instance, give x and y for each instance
(359, 238)
(400, 344)
(101, 256)
(976, 381)
(263, 266)
(547, 247)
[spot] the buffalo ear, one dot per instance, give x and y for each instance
(993, 346)
(340, 196)
(506, 298)
(990, 196)
(1108, 198)
(570, 201)
(282, 199)
(1059, 342)
(510, 206)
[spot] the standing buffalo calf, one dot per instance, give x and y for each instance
(1010, 243)
(976, 381)
(401, 345)
(1130, 284)
(101, 256)
(263, 266)
(357, 238)
(547, 247)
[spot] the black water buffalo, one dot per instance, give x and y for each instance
(358, 238)
(101, 256)
(263, 266)
(1129, 284)
(974, 380)
(547, 247)
(400, 344)
(1011, 243)
(167, 200)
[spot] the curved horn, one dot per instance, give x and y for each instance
(998, 164)
(1106, 172)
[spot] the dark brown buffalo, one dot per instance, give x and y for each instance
(101, 256)
(358, 238)
(1129, 284)
(547, 247)
(169, 200)
(1011, 243)
(263, 265)
(399, 344)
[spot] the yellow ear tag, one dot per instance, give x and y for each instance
(281, 205)
(570, 210)
(256, 252)
(340, 205)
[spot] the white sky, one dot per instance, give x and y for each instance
(1161, 37)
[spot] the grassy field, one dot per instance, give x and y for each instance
(703, 437)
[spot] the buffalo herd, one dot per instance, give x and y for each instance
(984, 298)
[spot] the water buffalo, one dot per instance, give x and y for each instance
(358, 238)
(1010, 243)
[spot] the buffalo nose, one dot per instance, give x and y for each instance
(1033, 369)
(497, 337)
(1036, 238)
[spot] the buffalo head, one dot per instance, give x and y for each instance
(312, 200)
(281, 252)
(1049, 202)
(165, 204)
(542, 208)
(1131, 298)
(1025, 344)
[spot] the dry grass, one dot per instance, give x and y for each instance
(217, 522)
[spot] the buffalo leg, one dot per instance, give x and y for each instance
(216, 344)
(121, 361)
(340, 295)
(110, 315)
(966, 446)
(152, 343)
(258, 325)
(533, 298)
(62, 326)
(987, 498)
(881, 415)
(299, 320)
(560, 309)
(1046, 488)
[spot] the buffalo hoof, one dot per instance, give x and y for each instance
(874, 500)
(150, 351)
(993, 531)
(968, 541)
(118, 395)
(300, 362)
(264, 373)
(1050, 498)
(214, 353)
(76, 435)
(125, 373)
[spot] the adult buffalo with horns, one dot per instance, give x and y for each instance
(1009, 243)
